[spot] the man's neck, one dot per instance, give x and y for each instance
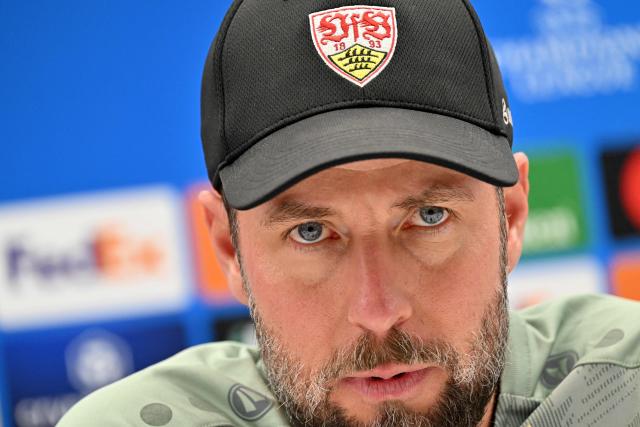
(487, 420)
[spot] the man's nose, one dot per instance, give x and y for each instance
(379, 294)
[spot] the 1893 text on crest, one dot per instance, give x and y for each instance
(357, 42)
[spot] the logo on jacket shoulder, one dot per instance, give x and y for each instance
(557, 367)
(357, 42)
(247, 403)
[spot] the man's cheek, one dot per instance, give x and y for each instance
(301, 270)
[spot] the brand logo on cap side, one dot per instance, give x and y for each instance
(357, 42)
(506, 113)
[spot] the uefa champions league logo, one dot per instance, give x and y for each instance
(96, 358)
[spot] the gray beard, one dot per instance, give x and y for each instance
(473, 377)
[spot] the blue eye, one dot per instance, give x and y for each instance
(431, 216)
(309, 232)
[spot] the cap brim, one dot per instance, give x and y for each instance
(295, 152)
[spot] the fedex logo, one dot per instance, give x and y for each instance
(110, 252)
(90, 257)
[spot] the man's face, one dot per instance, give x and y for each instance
(378, 294)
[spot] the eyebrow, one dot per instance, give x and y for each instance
(290, 210)
(435, 194)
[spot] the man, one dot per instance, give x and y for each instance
(367, 208)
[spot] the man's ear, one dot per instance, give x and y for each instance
(220, 234)
(517, 206)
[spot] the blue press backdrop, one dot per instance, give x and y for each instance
(104, 95)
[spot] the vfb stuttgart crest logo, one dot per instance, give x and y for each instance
(357, 42)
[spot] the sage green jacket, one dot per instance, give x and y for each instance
(570, 362)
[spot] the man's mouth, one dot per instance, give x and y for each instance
(387, 382)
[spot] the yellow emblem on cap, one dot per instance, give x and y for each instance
(358, 61)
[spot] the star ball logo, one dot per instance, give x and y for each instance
(96, 358)
(357, 42)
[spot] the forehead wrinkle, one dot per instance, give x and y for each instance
(438, 193)
(291, 210)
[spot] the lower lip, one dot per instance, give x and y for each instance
(397, 387)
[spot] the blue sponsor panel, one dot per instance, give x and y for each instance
(571, 66)
(3, 392)
(49, 371)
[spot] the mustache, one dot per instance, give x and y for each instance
(400, 347)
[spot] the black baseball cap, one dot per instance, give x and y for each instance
(291, 87)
